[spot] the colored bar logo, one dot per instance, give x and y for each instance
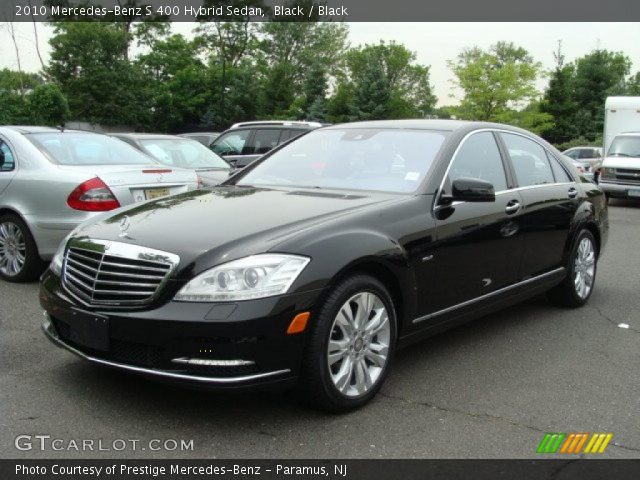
(573, 443)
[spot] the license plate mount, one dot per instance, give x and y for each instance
(88, 329)
(151, 193)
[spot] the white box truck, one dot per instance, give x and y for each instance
(620, 171)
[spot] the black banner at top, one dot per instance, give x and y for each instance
(323, 10)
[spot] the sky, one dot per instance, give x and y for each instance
(433, 43)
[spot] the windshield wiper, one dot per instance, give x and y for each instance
(620, 154)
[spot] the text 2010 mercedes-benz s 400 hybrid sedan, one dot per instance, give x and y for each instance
(316, 262)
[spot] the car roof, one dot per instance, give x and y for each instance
(428, 124)
(628, 134)
(198, 133)
(276, 123)
(147, 136)
(31, 128)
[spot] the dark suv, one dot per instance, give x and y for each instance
(244, 142)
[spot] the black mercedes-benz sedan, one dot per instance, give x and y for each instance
(313, 265)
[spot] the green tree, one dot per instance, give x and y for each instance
(633, 85)
(87, 62)
(372, 92)
(14, 107)
(48, 105)
(494, 81)
(558, 101)
(597, 75)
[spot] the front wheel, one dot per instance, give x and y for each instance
(350, 347)
(576, 288)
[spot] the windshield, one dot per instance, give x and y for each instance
(625, 147)
(390, 160)
(74, 148)
(182, 153)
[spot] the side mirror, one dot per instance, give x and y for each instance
(472, 190)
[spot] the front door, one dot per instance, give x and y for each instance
(478, 246)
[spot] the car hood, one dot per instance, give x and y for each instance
(621, 162)
(224, 223)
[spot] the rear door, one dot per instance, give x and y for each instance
(478, 245)
(550, 202)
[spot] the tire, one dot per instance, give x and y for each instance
(19, 258)
(321, 373)
(583, 261)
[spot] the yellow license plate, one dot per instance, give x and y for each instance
(156, 192)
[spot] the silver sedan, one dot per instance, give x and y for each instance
(51, 181)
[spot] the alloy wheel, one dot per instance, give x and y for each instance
(358, 345)
(584, 268)
(12, 249)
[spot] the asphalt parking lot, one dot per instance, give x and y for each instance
(489, 389)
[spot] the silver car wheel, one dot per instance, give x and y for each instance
(359, 344)
(12, 249)
(584, 268)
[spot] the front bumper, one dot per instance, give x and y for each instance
(243, 345)
(618, 189)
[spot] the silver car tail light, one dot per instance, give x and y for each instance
(106, 273)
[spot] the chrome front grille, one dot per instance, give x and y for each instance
(102, 273)
(628, 176)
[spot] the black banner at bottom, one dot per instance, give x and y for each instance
(585, 469)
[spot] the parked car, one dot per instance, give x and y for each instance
(244, 142)
(584, 168)
(51, 181)
(589, 155)
(354, 240)
(205, 138)
(174, 151)
(620, 172)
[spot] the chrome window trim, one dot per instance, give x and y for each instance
(488, 295)
(436, 205)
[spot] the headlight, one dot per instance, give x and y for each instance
(608, 172)
(258, 276)
(58, 258)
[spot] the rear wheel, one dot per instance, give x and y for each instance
(350, 347)
(576, 288)
(19, 259)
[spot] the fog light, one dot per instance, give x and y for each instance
(207, 362)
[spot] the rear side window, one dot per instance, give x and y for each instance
(559, 172)
(265, 140)
(529, 159)
(479, 157)
(231, 143)
(7, 162)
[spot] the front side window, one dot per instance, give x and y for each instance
(71, 148)
(231, 143)
(479, 157)
(7, 162)
(390, 160)
(529, 160)
(625, 146)
(182, 153)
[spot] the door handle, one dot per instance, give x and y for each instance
(572, 193)
(512, 207)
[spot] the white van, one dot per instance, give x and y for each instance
(620, 171)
